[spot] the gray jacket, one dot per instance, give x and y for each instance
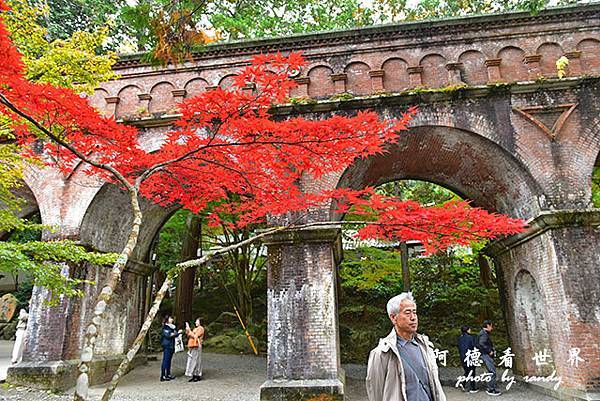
(385, 373)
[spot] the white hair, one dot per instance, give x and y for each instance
(393, 305)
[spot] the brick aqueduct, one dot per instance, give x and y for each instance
(494, 124)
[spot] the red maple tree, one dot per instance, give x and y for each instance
(226, 151)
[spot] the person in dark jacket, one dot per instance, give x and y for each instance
(486, 347)
(167, 341)
(466, 342)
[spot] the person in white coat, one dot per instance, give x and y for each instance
(403, 366)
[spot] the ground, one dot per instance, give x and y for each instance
(226, 378)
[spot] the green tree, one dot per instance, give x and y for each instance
(65, 17)
(426, 193)
(76, 62)
(255, 19)
(403, 10)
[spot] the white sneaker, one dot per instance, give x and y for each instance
(494, 392)
(473, 391)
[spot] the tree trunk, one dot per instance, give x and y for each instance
(184, 295)
(405, 267)
(139, 340)
(485, 274)
(91, 333)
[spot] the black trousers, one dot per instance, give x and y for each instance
(471, 370)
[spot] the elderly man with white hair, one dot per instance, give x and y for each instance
(403, 366)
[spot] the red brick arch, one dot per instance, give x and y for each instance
(550, 52)
(512, 65)
(162, 97)
(473, 67)
(320, 84)
(465, 162)
(358, 80)
(395, 76)
(195, 86)
(590, 55)
(435, 74)
(129, 102)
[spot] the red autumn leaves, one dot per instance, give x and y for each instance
(226, 152)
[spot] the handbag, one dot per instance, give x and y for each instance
(178, 344)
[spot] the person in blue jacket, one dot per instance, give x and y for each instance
(167, 341)
(466, 342)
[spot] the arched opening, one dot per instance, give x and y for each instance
(105, 227)
(466, 165)
(452, 288)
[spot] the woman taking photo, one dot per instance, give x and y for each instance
(194, 361)
(167, 341)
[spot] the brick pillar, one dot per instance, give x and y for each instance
(532, 62)
(493, 69)
(302, 89)
(111, 106)
(303, 350)
(454, 73)
(558, 253)
(55, 334)
(574, 68)
(178, 95)
(339, 82)
(414, 76)
(377, 80)
(144, 102)
(45, 332)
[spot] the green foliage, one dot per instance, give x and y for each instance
(170, 240)
(44, 261)
(596, 187)
(10, 178)
(23, 293)
(447, 289)
(76, 61)
(424, 192)
(254, 19)
(393, 10)
(65, 17)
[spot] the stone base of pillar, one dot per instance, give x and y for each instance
(62, 375)
(302, 390)
(564, 393)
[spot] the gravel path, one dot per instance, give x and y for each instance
(230, 378)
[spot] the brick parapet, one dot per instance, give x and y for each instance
(424, 48)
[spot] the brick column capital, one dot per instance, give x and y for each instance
(493, 62)
(376, 73)
(532, 58)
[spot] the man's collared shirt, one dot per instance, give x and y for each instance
(414, 390)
